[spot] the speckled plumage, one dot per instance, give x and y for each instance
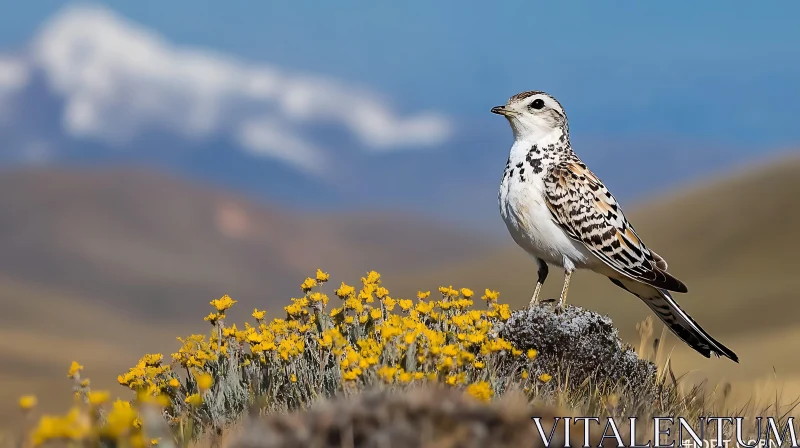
(563, 215)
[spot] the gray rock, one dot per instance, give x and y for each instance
(580, 343)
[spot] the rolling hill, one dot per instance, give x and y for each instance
(150, 244)
(102, 266)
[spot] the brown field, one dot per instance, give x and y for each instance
(131, 272)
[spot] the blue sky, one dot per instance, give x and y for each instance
(711, 70)
(687, 85)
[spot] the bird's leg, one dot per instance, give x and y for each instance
(535, 296)
(542, 276)
(562, 301)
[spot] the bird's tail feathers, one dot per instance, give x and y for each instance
(676, 319)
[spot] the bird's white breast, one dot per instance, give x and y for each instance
(529, 221)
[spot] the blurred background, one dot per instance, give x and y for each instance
(157, 155)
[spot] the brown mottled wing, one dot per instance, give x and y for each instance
(586, 210)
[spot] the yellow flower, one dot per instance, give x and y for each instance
(74, 369)
(424, 307)
(154, 442)
(375, 313)
(450, 350)
(381, 292)
(448, 291)
(504, 311)
(351, 375)
(258, 315)
(194, 400)
(27, 402)
(73, 426)
(293, 378)
(345, 291)
(545, 378)
(318, 297)
(423, 295)
(223, 303)
(480, 390)
(204, 381)
(524, 375)
(366, 293)
(387, 373)
(213, 318)
(97, 398)
(532, 354)
(173, 382)
(322, 277)
(466, 292)
(151, 360)
(230, 332)
(405, 377)
(405, 304)
(295, 309)
(479, 364)
(490, 295)
(373, 278)
(308, 284)
(121, 418)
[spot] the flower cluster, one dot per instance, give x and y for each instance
(93, 419)
(320, 347)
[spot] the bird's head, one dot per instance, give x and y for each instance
(533, 114)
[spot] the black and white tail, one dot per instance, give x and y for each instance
(665, 307)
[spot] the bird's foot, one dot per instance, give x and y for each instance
(537, 302)
(560, 308)
(558, 305)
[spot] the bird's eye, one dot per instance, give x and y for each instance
(537, 103)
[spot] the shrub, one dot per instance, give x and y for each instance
(364, 339)
(318, 351)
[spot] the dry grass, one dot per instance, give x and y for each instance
(355, 374)
(746, 303)
(42, 331)
(421, 417)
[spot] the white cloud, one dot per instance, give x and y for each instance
(13, 73)
(14, 76)
(268, 137)
(119, 80)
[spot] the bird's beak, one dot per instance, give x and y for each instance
(501, 110)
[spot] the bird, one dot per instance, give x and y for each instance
(561, 214)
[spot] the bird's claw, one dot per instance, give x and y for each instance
(558, 305)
